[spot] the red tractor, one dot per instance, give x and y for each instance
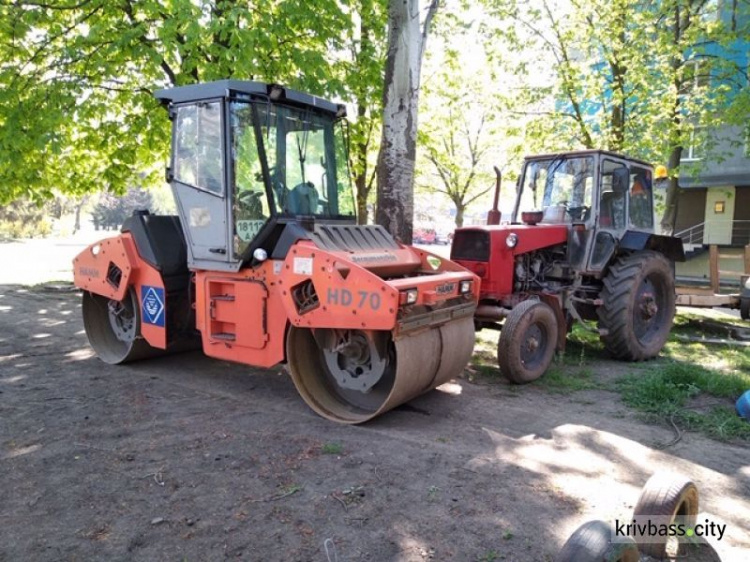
(580, 246)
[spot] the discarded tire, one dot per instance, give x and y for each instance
(592, 542)
(665, 498)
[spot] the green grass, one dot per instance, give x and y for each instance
(691, 396)
(565, 381)
(489, 556)
(332, 448)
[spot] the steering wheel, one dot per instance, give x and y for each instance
(579, 213)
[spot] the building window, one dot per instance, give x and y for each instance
(694, 148)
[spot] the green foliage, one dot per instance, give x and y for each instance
(76, 107)
(110, 211)
(459, 133)
(619, 74)
(24, 219)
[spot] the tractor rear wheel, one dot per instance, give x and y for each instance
(351, 376)
(527, 342)
(113, 328)
(638, 306)
(745, 308)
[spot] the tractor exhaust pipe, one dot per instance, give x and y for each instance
(493, 217)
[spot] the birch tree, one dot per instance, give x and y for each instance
(408, 29)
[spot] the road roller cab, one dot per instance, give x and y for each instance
(579, 245)
(265, 262)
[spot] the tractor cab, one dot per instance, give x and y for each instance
(249, 158)
(599, 196)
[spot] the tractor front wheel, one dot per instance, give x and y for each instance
(638, 306)
(527, 342)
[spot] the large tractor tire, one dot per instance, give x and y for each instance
(638, 306)
(592, 542)
(361, 374)
(745, 308)
(113, 328)
(665, 499)
(527, 342)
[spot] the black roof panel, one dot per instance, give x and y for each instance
(224, 88)
(589, 152)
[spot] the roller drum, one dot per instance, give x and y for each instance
(417, 363)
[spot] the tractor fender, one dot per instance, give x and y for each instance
(111, 267)
(669, 246)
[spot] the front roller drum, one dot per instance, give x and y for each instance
(354, 376)
(113, 328)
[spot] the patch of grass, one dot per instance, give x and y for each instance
(489, 556)
(666, 391)
(332, 448)
(565, 381)
(507, 535)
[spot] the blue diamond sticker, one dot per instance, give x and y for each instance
(153, 305)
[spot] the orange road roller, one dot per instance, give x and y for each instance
(265, 263)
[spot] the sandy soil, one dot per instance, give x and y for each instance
(187, 458)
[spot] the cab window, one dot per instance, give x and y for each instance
(197, 154)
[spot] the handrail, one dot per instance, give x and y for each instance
(740, 232)
(693, 234)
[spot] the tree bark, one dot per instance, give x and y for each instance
(396, 161)
(460, 209)
(669, 219)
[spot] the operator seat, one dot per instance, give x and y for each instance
(303, 199)
(611, 210)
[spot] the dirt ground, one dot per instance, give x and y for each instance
(188, 458)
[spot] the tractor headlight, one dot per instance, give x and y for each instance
(260, 255)
(512, 240)
(464, 287)
(409, 296)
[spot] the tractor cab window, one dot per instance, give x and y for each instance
(560, 187)
(641, 197)
(197, 153)
(307, 162)
(614, 191)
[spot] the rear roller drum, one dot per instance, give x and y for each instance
(113, 328)
(351, 376)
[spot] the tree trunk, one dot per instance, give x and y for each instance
(669, 219)
(460, 209)
(398, 146)
(79, 206)
(360, 183)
